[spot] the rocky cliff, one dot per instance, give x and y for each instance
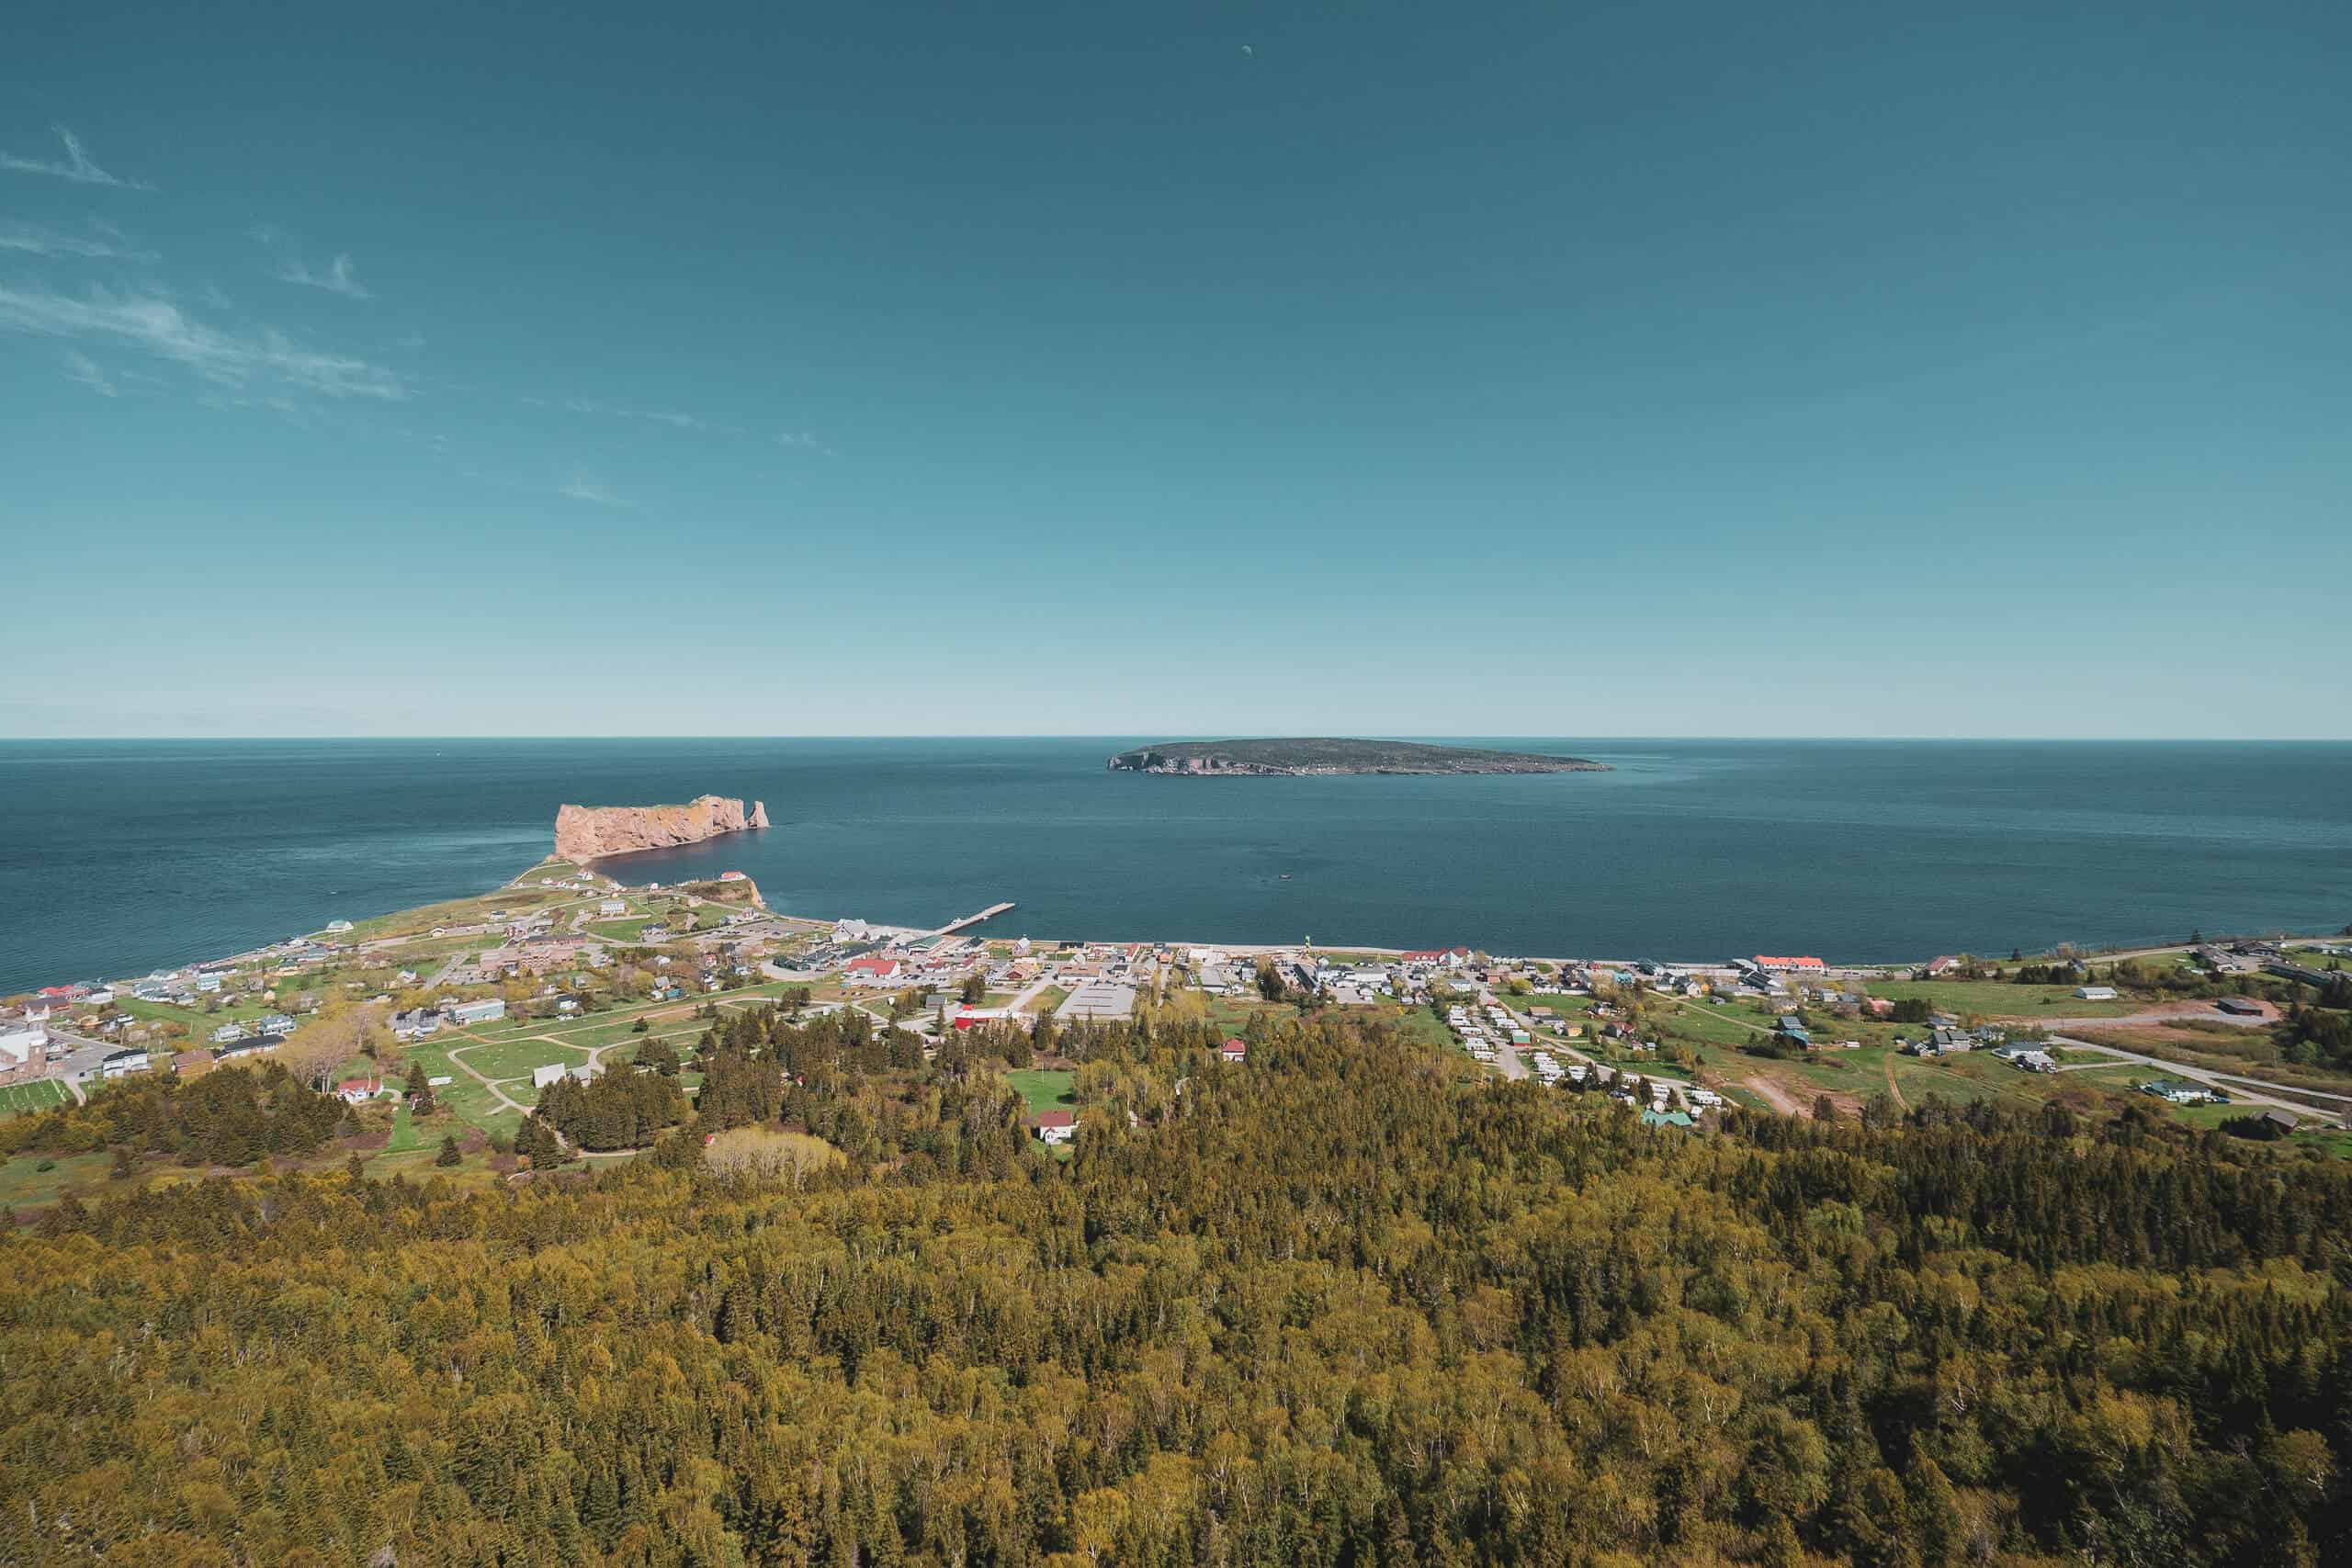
(592, 832)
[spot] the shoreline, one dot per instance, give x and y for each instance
(593, 868)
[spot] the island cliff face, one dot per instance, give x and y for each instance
(592, 832)
(1212, 759)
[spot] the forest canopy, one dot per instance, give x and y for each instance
(1343, 1305)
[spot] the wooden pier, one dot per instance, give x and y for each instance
(991, 913)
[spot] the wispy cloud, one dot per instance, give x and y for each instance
(581, 487)
(84, 369)
(337, 280)
(651, 416)
(798, 440)
(155, 325)
(32, 237)
(78, 166)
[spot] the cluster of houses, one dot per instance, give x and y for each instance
(1484, 1033)
(423, 1023)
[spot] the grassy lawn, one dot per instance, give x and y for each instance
(510, 902)
(515, 1059)
(1234, 1012)
(1733, 1025)
(1422, 1025)
(1047, 1000)
(403, 1132)
(618, 930)
(40, 1094)
(21, 1183)
(1045, 1089)
(1998, 999)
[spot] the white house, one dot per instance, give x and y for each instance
(17, 1045)
(542, 1076)
(2095, 993)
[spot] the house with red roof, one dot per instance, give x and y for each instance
(1234, 1050)
(1445, 957)
(1055, 1126)
(359, 1092)
(874, 969)
(1807, 966)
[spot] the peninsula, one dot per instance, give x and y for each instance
(592, 832)
(1324, 755)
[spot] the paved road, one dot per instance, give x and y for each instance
(2239, 1088)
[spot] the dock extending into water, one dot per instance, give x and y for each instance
(991, 913)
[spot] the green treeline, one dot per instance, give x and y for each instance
(1340, 1307)
(230, 1116)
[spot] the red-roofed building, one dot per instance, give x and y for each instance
(1055, 1126)
(63, 993)
(359, 1092)
(1943, 966)
(732, 876)
(1234, 1050)
(874, 969)
(1451, 958)
(1805, 965)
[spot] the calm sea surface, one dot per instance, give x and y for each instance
(119, 856)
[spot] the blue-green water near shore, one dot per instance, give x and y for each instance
(119, 856)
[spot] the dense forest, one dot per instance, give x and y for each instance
(1340, 1307)
(231, 1116)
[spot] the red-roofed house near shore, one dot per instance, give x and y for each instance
(1234, 1050)
(732, 876)
(1943, 966)
(1807, 965)
(1451, 957)
(1055, 1126)
(874, 969)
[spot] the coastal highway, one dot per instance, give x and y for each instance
(2242, 1090)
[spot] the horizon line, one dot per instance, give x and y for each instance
(1231, 735)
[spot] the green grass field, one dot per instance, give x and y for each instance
(22, 1183)
(403, 1136)
(618, 930)
(1045, 1089)
(40, 1094)
(1998, 999)
(515, 1059)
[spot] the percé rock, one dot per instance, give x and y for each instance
(592, 832)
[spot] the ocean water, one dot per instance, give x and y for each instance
(119, 856)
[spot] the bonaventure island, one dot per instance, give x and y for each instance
(1773, 1256)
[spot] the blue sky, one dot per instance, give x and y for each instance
(1664, 369)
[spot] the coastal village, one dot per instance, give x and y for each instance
(568, 973)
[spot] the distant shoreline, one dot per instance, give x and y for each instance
(1328, 757)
